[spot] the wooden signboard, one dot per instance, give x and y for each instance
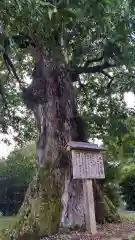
(87, 165)
(87, 162)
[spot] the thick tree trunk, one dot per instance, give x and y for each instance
(53, 199)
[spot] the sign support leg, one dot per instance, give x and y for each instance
(89, 208)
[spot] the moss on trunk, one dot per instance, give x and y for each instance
(40, 213)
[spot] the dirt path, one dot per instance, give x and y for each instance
(112, 231)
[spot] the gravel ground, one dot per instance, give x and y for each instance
(112, 231)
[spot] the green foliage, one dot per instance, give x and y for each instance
(128, 186)
(16, 172)
(102, 32)
(111, 182)
(19, 165)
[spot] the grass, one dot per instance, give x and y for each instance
(7, 222)
(127, 215)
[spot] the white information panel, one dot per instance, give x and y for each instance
(87, 165)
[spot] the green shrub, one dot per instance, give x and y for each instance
(111, 182)
(128, 186)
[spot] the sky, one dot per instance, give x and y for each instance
(6, 149)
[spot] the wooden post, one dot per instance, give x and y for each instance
(89, 208)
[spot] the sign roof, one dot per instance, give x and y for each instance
(85, 146)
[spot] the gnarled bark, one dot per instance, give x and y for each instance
(53, 199)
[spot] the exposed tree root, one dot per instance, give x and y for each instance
(40, 213)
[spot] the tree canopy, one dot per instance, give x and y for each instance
(95, 39)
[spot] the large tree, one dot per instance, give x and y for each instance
(66, 46)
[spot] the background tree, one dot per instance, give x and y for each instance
(16, 172)
(127, 186)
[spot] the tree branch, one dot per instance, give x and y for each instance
(107, 75)
(83, 88)
(11, 68)
(2, 94)
(95, 69)
(92, 61)
(110, 77)
(109, 84)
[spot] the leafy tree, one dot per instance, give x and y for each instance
(20, 164)
(127, 185)
(16, 172)
(71, 54)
